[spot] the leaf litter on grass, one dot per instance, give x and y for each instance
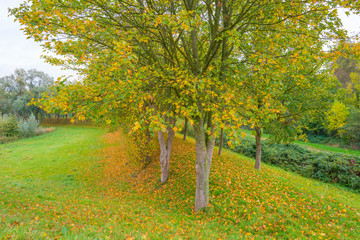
(113, 197)
(243, 201)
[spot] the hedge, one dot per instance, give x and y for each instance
(338, 168)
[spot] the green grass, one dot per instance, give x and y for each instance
(326, 148)
(75, 184)
(316, 147)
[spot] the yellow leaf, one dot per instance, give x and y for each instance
(136, 127)
(243, 134)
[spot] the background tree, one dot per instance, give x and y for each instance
(19, 88)
(282, 85)
(341, 118)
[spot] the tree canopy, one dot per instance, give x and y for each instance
(19, 88)
(188, 58)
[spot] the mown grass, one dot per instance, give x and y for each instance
(316, 146)
(326, 148)
(75, 184)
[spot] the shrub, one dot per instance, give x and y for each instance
(28, 127)
(351, 131)
(317, 138)
(9, 127)
(334, 168)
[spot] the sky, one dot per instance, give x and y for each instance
(18, 52)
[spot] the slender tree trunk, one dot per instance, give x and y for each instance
(148, 140)
(258, 148)
(221, 141)
(186, 128)
(204, 152)
(165, 152)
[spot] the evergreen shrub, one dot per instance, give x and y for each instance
(338, 168)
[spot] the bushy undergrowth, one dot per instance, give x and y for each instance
(11, 128)
(65, 122)
(339, 141)
(28, 127)
(318, 138)
(334, 168)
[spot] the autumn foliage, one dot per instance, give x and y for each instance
(152, 61)
(244, 202)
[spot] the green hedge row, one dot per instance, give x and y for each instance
(334, 168)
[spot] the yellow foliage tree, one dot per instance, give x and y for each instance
(336, 117)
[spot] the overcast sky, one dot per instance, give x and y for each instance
(18, 52)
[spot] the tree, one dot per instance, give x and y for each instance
(19, 88)
(283, 85)
(5, 104)
(185, 46)
(342, 117)
(337, 116)
(351, 130)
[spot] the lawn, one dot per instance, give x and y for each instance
(82, 183)
(316, 146)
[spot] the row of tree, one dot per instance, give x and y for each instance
(220, 64)
(17, 90)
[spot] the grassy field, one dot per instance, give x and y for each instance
(80, 183)
(317, 147)
(326, 148)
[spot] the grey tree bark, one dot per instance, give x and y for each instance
(258, 148)
(165, 152)
(221, 141)
(186, 128)
(204, 152)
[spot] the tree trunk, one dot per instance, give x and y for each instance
(165, 152)
(186, 128)
(221, 141)
(258, 148)
(148, 141)
(204, 152)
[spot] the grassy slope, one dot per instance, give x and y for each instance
(317, 147)
(68, 185)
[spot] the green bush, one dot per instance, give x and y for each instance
(317, 138)
(28, 127)
(334, 168)
(9, 127)
(352, 129)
